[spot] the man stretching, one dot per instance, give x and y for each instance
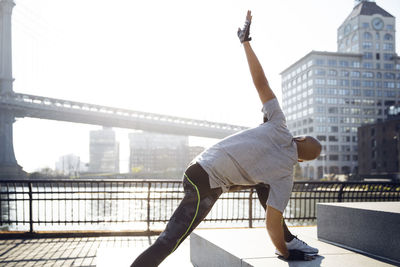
(262, 157)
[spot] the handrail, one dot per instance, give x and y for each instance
(37, 205)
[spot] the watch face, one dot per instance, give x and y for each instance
(377, 24)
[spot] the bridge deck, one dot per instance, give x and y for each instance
(24, 105)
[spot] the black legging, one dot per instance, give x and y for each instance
(196, 204)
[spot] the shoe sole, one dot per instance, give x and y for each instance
(309, 254)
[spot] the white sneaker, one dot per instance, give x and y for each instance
(299, 245)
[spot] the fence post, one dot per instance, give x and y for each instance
(251, 208)
(340, 194)
(148, 206)
(30, 208)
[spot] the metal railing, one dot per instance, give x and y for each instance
(87, 205)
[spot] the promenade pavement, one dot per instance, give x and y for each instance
(121, 251)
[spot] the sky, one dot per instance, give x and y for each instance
(176, 57)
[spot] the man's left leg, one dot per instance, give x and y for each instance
(198, 200)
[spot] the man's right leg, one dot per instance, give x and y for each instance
(194, 207)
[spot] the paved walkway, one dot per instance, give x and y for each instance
(78, 251)
(121, 251)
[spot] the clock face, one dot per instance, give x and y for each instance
(377, 24)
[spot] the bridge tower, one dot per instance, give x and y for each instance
(8, 164)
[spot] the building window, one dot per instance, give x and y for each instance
(390, 94)
(334, 157)
(331, 82)
(344, 73)
(344, 82)
(321, 137)
(368, 65)
(319, 72)
(387, 56)
(333, 138)
(355, 64)
(369, 93)
(388, 46)
(320, 109)
(346, 139)
(367, 45)
(367, 36)
(368, 55)
(343, 63)
(334, 148)
(390, 76)
(354, 38)
(367, 74)
(387, 66)
(319, 62)
(332, 110)
(332, 72)
(388, 37)
(365, 25)
(355, 83)
(368, 83)
(389, 27)
(356, 92)
(355, 74)
(346, 148)
(319, 91)
(331, 62)
(388, 84)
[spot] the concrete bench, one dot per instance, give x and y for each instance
(372, 228)
(253, 248)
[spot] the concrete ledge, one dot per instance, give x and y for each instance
(253, 248)
(368, 227)
(215, 255)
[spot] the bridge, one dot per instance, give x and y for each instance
(14, 105)
(23, 105)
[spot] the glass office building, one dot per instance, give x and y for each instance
(330, 94)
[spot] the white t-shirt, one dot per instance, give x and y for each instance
(264, 154)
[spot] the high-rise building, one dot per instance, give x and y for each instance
(154, 152)
(70, 165)
(104, 151)
(330, 94)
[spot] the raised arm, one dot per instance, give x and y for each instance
(256, 70)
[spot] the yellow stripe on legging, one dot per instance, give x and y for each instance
(195, 215)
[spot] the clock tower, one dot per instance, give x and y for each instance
(368, 30)
(330, 94)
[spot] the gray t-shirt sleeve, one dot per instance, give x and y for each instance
(279, 193)
(273, 112)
